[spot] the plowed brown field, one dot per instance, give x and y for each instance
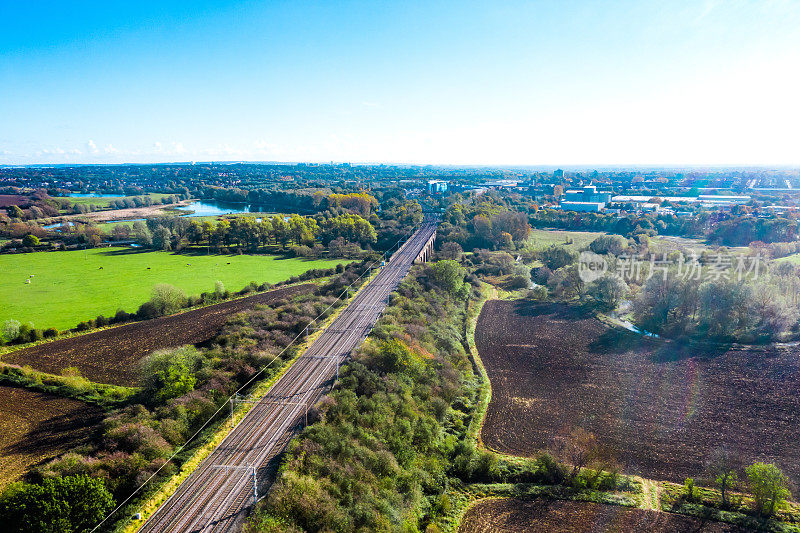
(506, 515)
(663, 409)
(111, 355)
(35, 426)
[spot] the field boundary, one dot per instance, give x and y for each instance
(485, 391)
(223, 428)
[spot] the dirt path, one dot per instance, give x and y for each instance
(651, 494)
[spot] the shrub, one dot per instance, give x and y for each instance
(29, 241)
(11, 330)
(146, 311)
(25, 333)
(49, 333)
(219, 289)
(538, 293)
(170, 373)
(167, 299)
(121, 316)
(769, 487)
(688, 489)
(555, 257)
(608, 244)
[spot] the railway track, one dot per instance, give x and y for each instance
(218, 494)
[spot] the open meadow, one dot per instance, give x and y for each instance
(111, 355)
(35, 426)
(578, 240)
(542, 238)
(105, 201)
(68, 287)
(662, 409)
(509, 515)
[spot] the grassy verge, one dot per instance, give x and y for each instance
(76, 387)
(212, 437)
(485, 388)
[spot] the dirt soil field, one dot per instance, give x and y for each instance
(35, 426)
(111, 356)
(507, 515)
(664, 410)
(14, 199)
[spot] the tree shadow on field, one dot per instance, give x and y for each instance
(526, 308)
(57, 433)
(615, 340)
(680, 349)
(125, 251)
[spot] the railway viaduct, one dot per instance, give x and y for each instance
(427, 250)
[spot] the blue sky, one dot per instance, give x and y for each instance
(534, 83)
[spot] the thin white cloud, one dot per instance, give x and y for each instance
(109, 149)
(92, 147)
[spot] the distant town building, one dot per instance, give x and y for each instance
(585, 199)
(587, 194)
(582, 206)
(708, 200)
(437, 186)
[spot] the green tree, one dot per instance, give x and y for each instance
(722, 468)
(15, 212)
(167, 299)
(162, 238)
(449, 275)
(566, 282)
(59, 505)
(219, 289)
(141, 233)
(30, 240)
(555, 257)
(607, 291)
(769, 487)
(608, 244)
(11, 329)
(170, 373)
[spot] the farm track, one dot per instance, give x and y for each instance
(111, 355)
(217, 495)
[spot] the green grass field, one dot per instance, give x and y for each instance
(68, 287)
(542, 238)
(793, 259)
(104, 202)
